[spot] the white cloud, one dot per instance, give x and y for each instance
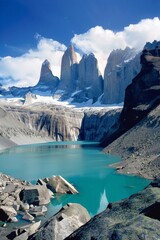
(102, 41)
(25, 69)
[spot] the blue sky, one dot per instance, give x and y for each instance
(20, 20)
(32, 30)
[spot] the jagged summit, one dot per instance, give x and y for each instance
(69, 70)
(46, 76)
(151, 46)
(121, 68)
(71, 54)
(46, 63)
(90, 82)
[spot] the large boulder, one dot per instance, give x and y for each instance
(58, 184)
(7, 213)
(133, 218)
(61, 225)
(37, 195)
(25, 232)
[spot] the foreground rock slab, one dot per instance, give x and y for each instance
(130, 219)
(58, 184)
(61, 225)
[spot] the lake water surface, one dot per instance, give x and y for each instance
(81, 163)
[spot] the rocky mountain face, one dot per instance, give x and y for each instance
(13, 132)
(137, 133)
(59, 123)
(97, 124)
(62, 123)
(69, 71)
(83, 81)
(90, 82)
(46, 85)
(121, 68)
(144, 92)
(47, 81)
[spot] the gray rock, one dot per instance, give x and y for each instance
(27, 216)
(69, 70)
(59, 185)
(37, 210)
(122, 66)
(67, 220)
(24, 206)
(60, 123)
(37, 195)
(90, 82)
(18, 232)
(47, 81)
(96, 125)
(7, 212)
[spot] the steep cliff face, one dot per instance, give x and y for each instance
(90, 82)
(69, 70)
(121, 68)
(144, 92)
(59, 123)
(14, 132)
(136, 139)
(97, 124)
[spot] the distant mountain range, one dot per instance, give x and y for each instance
(81, 82)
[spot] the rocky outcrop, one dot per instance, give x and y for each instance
(46, 85)
(21, 200)
(37, 195)
(90, 82)
(47, 81)
(13, 132)
(58, 184)
(122, 66)
(143, 94)
(29, 98)
(139, 147)
(61, 225)
(138, 133)
(96, 125)
(58, 122)
(69, 71)
(132, 218)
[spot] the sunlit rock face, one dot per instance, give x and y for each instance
(121, 68)
(142, 95)
(47, 80)
(69, 70)
(90, 82)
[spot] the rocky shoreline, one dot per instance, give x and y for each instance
(27, 203)
(136, 217)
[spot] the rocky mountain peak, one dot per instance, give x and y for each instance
(142, 95)
(71, 55)
(90, 82)
(151, 46)
(47, 78)
(69, 70)
(121, 68)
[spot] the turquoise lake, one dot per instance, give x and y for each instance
(81, 163)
